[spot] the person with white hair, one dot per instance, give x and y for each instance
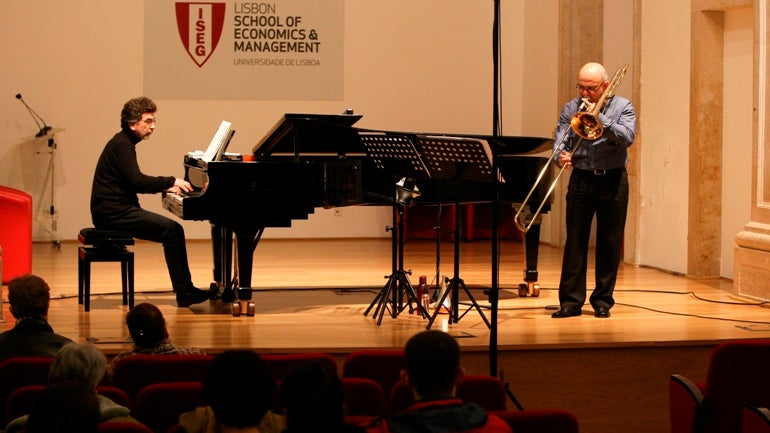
(84, 364)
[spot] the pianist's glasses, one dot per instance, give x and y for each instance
(150, 121)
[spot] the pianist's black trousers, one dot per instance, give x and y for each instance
(150, 226)
(606, 196)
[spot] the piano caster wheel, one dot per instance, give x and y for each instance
(529, 289)
(239, 306)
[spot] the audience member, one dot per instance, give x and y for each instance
(32, 335)
(65, 407)
(84, 364)
(148, 331)
(432, 373)
(312, 397)
(240, 392)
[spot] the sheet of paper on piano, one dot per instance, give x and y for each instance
(219, 142)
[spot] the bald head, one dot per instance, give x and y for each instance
(592, 81)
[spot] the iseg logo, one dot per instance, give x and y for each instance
(200, 27)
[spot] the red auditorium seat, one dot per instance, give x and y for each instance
(21, 401)
(539, 420)
(756, 419)
(280, 364)
(486, 391)
(381, 366)
(15, 233)
(158, 406)
(133, 373)
(364, 399)
(19, 372)
(122, 427)
(736, 375)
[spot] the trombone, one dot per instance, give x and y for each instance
(586, 125)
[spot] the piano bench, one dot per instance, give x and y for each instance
(105, 246)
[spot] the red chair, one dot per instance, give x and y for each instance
(539, 420)
(381, 366)
(364, 399)
(122, 427)
(18, 372)
(737, 374)
(281, 364)
(15, 233)
(158, 406)
(135, 372)
(756, 419)
(486, 391)
(22, 400)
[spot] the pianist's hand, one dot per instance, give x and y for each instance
(180, 185)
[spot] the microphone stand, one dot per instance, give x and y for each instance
(44, 129)
(494, 294)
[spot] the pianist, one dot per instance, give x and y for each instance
(115, 204)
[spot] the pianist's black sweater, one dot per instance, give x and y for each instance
(117, 179)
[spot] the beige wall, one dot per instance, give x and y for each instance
(738, 133)
(664, 93)
(415, 66)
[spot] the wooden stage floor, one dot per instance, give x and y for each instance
(311, 296)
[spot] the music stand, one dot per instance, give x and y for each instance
(457, 159)
(396, 155)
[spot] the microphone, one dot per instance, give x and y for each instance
(36, 117)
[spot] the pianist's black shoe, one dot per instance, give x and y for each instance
(192, 296)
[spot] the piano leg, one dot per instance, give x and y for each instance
(246, 242)
(222, 246)
(531, 243)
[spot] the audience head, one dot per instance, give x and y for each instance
(432, 364)
(65, 407)
(239, 388)
(133, 110)
(312, 397)
(82, 363)
(146, 325)
(28, 296)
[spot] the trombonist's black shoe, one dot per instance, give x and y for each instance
(602, 312)
(191, 296)
(567, 312)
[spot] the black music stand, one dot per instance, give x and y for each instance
(457, 159)
(396, 155)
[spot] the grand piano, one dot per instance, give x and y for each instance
(309, 161)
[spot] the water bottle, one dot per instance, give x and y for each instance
(422, 292)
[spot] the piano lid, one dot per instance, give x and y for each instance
(310, 133)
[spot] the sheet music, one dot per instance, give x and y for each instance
(220, 139)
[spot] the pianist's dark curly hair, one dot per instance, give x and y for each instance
(133, 110)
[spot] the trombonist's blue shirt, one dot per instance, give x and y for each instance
(608, 152)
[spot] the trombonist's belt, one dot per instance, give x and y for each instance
(596, 172)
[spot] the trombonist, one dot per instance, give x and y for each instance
(598, 186)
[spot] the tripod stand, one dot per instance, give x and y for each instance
(392, 294)
(455, 283)
(395, 154)
(457, 159)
